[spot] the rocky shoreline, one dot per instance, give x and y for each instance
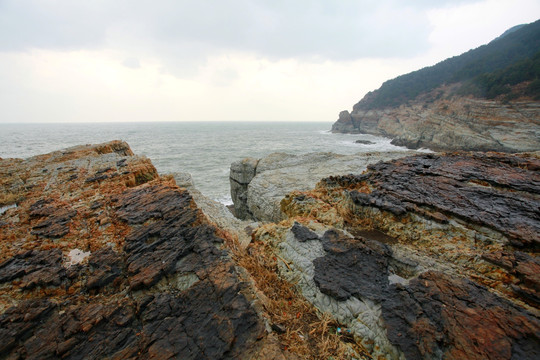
(442, 121)
(390, 255)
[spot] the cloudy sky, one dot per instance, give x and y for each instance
(223, 60)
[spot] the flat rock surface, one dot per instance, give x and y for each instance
(103, 258)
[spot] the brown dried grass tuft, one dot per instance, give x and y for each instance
(306, 332)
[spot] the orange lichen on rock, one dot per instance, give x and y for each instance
(103, 257)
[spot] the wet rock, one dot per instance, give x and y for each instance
(437, 316)
(364, 142)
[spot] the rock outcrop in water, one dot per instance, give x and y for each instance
(103, 258)
(429, 256)
(258, 186)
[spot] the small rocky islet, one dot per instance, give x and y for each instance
(419, 256)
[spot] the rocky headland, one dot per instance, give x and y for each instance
(486, 99)
(440, 121)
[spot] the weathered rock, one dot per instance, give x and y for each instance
(443, 262)
(442, 121)
(278, 174)
(116, 262)
(384, 294)
(217, 213)
(53, 218)
(490, 190)
(438, 316)
(241, 174)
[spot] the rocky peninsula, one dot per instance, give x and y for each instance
(426, 256)
(440, 121)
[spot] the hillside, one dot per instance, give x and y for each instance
(484, 99)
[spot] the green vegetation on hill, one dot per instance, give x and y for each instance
(487, 71)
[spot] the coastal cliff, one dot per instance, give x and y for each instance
(441, 121)
(487, 99)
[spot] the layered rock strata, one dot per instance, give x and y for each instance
(258, 186)
(430, 256)
(103, 258)
(441, 121)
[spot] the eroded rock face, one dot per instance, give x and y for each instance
(438, 258)
(152, 279)
(258, 186)
(439, 121)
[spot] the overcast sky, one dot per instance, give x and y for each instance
(222, 60)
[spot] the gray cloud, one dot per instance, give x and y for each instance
(317, 29)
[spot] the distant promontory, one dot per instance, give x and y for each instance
(485, 99)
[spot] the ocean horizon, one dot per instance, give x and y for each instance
(203, 149)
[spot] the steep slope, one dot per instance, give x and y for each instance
(485, 99)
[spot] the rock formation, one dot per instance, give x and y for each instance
(442, 121)
(258, 186)
(103, 258)
(423, 257)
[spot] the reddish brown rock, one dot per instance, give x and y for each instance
(102, 258)
(437, 316)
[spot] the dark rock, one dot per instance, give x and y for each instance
(158, 283)
(350, 268)
(17, 324)
(525, 268)
(364, 142)
(437, 316)
(55, 218)
(302, 233)
(105, 266)
(493, 190)
(34, 268)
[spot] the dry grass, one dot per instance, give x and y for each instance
(305, 332)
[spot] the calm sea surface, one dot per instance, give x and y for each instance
(205, 149)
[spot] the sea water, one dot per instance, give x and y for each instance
(203, 149)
